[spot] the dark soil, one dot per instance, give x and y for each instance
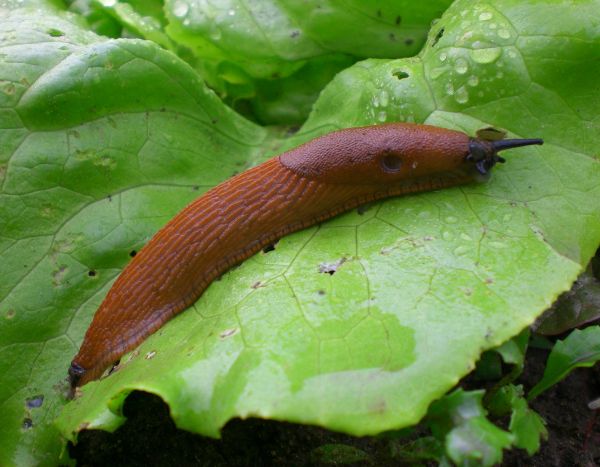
(149, 437)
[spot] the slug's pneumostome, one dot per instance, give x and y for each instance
(234, 220)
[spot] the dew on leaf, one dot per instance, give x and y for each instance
(449, 89)
(473, 81)
(461, 66)
(461, 95)
(504, 33)
(485, 16)
(484, 56)
(180, 9)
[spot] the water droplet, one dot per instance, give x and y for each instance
(382, 116)
(231, 12)
(486, 55)
(473, 81)
(180, 9)
(449, 89)
(375, 101)
(462, 95)
(461, 66)
(109, 3)
(504, 33)
(443, 57)
(485, 16)
(512, 54)
(447, 235)
(493, 25)
(466, 237)
(451, 220)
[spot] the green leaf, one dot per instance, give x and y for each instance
(513, 351)
(578, 306)
(102, 141)
(470, 438)
(581, 348)
(525, 424)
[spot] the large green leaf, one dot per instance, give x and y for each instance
(102, 141)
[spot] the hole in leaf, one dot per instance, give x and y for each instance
(400, 74)
(437, 37)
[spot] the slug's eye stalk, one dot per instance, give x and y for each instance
(484, 154)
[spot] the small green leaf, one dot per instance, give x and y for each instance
(527, 426)
(581, 348)
(470, 438)
(477, 442)
(513, 351)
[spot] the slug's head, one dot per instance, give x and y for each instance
(483, 153)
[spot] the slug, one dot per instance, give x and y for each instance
(236, 219)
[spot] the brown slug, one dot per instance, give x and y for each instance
(236, 219)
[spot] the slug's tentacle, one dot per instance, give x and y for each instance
(231, 222)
